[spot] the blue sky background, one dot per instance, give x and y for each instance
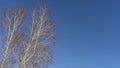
(88, 32)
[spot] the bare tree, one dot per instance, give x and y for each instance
(33, 51)
(12, 23)
(38, 52)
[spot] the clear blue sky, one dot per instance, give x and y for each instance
(88, 32)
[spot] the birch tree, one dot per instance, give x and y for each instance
(13, 36)
(34, 49)
(38, 53)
